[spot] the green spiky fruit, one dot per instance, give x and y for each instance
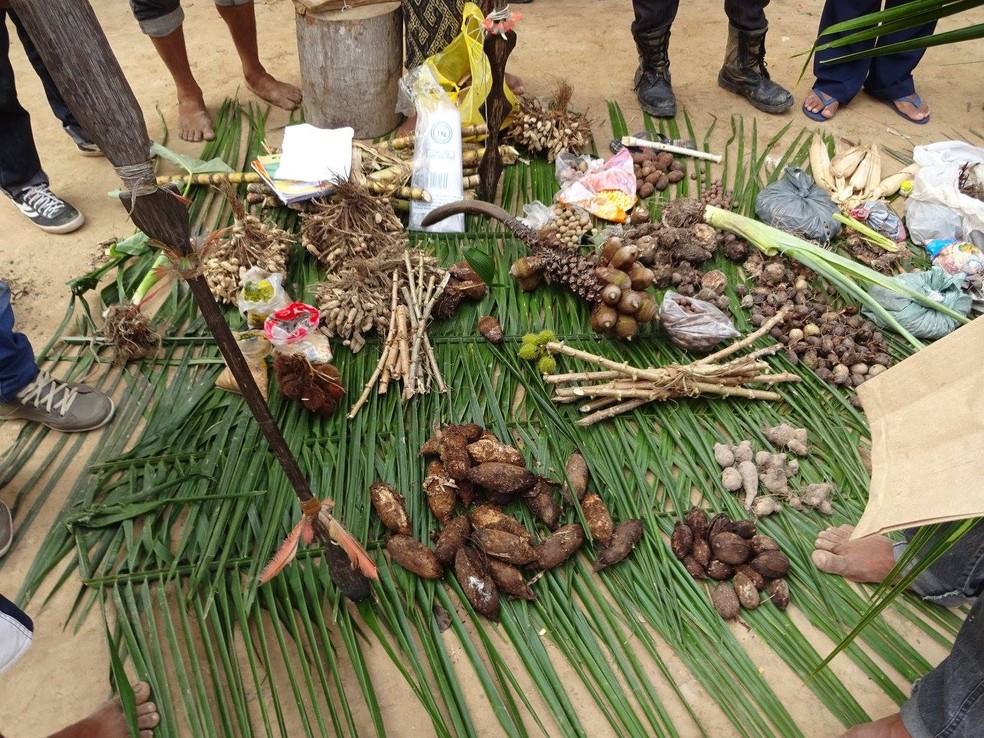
(530, 338)
(528, 351)
(547, 364)
(544, 337)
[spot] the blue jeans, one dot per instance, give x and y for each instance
(949, 701)
(17, 365)
(885, 77)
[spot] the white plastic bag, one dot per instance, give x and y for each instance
(935, 190)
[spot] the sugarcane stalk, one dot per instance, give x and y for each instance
(78, 55)
(209, 178)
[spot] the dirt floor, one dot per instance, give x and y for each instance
(65, 673)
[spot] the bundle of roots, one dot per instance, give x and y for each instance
(130, 333)
(248, 242)
(353, 224)
(551, 128)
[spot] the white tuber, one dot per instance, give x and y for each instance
(762, 458)
(743, 451)
(749, 481)
(792, 467)
(785, 436)
(774, 479)
(815, 495)
(731, 479)
(723, 454)
(765, 506)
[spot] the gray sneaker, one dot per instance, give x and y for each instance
(62, 406)
(85, 145)
(6, 529)
(48, 211)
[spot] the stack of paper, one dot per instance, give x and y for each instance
(313, 159)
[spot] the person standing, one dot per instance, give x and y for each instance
(163, 21)
(743, 72)
(887, 78)
(21, 177)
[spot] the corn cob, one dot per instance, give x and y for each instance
(875, 173)
(859, 178)
(844, 164)
(820, 163)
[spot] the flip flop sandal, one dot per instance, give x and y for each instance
(913, 100)
(827, 101)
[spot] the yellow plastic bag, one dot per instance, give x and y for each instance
(463, 70)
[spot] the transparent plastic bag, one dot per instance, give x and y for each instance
(261, 293)
(537, 215)
(694, 325)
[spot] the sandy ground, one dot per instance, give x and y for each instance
(588, 43)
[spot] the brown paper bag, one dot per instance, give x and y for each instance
(927, 432)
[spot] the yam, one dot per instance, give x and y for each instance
(505, 546)
(559, 546)
(624, 538)
(476, 582)
(719, 570)
(576, 470)
(490, 448)
(682, 540)
(701, 552)
(490, 516)
(599, 520)
(771, 564)
(389, 506)
(778, 592)
(414, 556)
(725, 601)
(453, 537)
(698, 522)
(509, 579)
(541, 499)
(748, 596)
(731, 548)
(500, 478)
(440, 490)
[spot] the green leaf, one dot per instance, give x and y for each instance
(189, 163)
(482, 262)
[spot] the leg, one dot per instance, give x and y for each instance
(241, 19)
(840, 81)
(651, 31)
(162, 21)
(108, 720)
(17, 365)
(744, 70)
(20, 166)
(891, 76)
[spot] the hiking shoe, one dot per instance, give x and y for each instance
(83, 143)
(6, 529)
(62, 406)
(48, 211)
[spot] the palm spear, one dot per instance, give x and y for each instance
(90, 79)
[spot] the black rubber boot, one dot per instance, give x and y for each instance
(652, 78)
(744, 72)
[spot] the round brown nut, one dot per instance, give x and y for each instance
(731, 548)
(682, 540)
(645, 190)
(719, 570)
(778, 592)
(662, 183)
(770, 564)
(725, 601)
(762, 543)
(748, 596)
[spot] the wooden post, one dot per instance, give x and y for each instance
(351, 61)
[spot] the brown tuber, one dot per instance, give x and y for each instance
(682, 540)
(778, 592)
(473, 575)
(489, 448)
(731, 548)
(506, 479)
(599, 520)
(542, 501)
(510, 580)
(453, 537)
(771, 564)
(748, 596)
(725, 601)
(559, 546)
(489, 327)
(414, 556)
(389, 506)
(440, 491)
(507, 547)
(624, 538)
(576, 470)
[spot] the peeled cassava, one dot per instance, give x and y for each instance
(414, 556)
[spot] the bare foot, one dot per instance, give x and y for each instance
(108, 720)
(887, 727)
(194, 122)
(515, 84)
(866, 560)
(827, 108)
(274, 91)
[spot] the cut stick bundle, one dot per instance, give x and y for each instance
(619, 388)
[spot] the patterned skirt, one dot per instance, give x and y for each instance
(429, 26)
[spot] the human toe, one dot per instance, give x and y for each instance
(828, 562)
(147, 716)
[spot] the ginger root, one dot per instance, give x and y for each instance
(785, 436)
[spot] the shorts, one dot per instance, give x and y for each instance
(159, 18)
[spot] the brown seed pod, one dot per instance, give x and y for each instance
(731, 548)
(725, 601)
(778, 592)
(630, 302)
(771, 564)
(696, 570)
(489, 327)
(762, 543)
(541, 499)
(721, 523)
(453, 537)
(626, 326)
(576, 470)
(744, 528)
(603, 318)
(559, 546)
(641, 276)
(599, 520)
(389, 506)
(440, 491)
(414, 556)
(509, 579)
(472, 573)
(698, 522)
(682, 540)
(611, 294)
(490, 448)
(505, 479)
(701, 551)
(624, 538)
(757, 579)
(748, 596)
(719, 570)
(505, 546)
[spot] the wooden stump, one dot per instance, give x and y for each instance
(351, 61)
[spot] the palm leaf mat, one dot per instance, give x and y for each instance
(181, 506)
